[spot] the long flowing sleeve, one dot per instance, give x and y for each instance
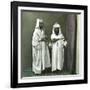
(64, 42)
(53, 37)
(36, 39)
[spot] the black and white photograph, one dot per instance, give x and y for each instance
(49, 44)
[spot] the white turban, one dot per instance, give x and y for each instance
(56, 25)
(37, 22)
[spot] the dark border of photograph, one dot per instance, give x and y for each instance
(14, 43)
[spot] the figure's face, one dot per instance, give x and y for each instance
(56, 30)
(41, 25)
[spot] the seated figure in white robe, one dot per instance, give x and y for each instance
(41, 58)
(58, 43)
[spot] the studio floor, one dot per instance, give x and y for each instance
(28, 72)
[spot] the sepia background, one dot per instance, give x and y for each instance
(68, 22)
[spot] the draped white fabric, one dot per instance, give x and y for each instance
(41, 57)
(57, 49)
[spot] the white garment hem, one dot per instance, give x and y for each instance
(56, 69)
(37, 72)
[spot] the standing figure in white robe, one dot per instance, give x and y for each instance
(58, 43)
(41, 57)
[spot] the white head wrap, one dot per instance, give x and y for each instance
(56, 25)
(37, 22)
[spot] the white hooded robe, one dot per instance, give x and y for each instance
(41, 58)
(57, 49)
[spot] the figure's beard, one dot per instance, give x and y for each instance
(56, 32)
(41, 27)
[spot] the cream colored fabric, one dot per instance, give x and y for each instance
(41, 59)
(57, 49)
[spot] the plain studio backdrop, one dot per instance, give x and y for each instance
(68, 27)
(5, 45)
